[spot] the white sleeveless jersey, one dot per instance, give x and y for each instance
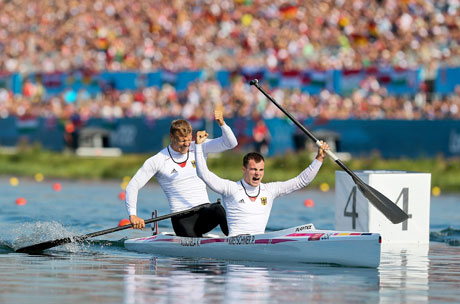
(183, 188)
(243, 215)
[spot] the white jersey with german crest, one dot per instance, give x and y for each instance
(245, 216)
(179, 181)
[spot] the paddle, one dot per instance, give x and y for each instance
(50, 244)
(380, 201)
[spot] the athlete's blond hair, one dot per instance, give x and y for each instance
(180, 127)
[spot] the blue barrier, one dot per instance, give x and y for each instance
(447, 79)
(398, 138)
(389, 138)
(49, 132)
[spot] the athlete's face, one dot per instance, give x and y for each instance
(253, 172)
(181, 144)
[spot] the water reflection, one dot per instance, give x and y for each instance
(408, 273)
(404, 273)
(112, 275)
(195, 280)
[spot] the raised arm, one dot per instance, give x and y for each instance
(303, 179)
(225, 142)
(215, 183)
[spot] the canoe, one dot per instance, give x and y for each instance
(301, 244)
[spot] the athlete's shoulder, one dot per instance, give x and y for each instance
(272, 187)
(239, 185)
(264, 186)
(158, 158)
(161, 154)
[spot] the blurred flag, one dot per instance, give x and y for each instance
(291, 79)
(27, 123)
(288, 11)
(250, 73)
(169, 77)
(315, 77)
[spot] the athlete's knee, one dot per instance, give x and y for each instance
(218, 209)
(224, 227)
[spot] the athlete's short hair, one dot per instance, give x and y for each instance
(180, 127)
(257, 157)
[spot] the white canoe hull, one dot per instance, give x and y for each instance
(302, 244)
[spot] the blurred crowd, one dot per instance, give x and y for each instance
(240, 100)
(98, 35)
(50, 35)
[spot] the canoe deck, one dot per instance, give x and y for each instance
(301, 244)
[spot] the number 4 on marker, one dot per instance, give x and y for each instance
(405, 199)
(353, 214)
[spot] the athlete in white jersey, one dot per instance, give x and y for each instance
(175, 170)
(248, 202)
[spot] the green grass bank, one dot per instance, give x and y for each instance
(26, 162)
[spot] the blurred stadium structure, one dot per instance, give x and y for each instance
(350, 67)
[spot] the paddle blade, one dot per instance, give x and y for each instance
(50, 244)
(54, 243)
(381, 202)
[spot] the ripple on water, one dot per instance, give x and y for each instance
(449, 235)
(28, 234)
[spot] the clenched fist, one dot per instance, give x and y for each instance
(201, 137)
(219, 116)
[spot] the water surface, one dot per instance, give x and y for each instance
(104, 272)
